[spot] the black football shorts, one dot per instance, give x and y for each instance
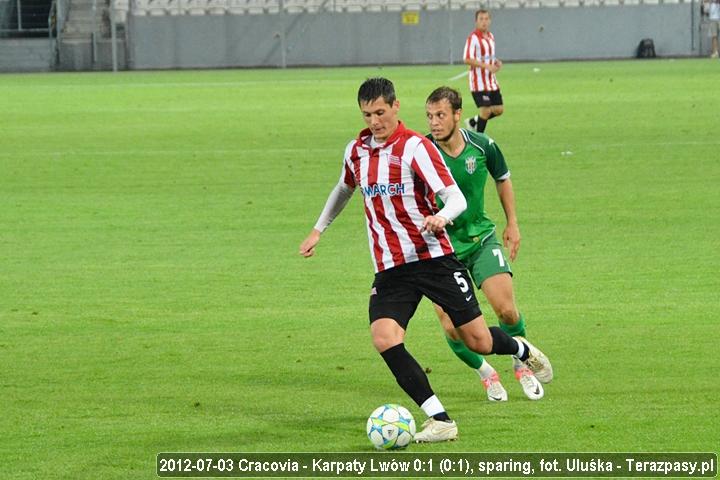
(487, 98)
(396, 292)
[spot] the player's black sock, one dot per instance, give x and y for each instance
(504, 344)
(443, 417)
(408, 373)
(481, 123)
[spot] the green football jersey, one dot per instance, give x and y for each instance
(470, 169)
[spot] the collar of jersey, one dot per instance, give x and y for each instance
(399, 131)
(466, 139)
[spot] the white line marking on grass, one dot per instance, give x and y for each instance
(459, 75)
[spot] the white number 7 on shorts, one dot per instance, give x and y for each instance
(498, 253)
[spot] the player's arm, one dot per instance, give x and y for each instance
(336, 201)
(428, 163)
(338, 198)
(454, 204)
(475, 63)
(498, 168)
(511, 235)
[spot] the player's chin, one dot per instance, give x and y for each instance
(440, 136)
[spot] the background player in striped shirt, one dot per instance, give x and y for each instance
(470, 156)
(399, 173)
(479, 54)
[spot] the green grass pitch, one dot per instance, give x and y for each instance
(152, 298)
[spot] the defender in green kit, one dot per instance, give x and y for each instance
(471, 157)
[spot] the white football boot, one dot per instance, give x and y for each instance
(532, 388)
(436, 431)
(538, 362)
(494, 389)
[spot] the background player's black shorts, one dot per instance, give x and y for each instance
(397, 292)
(487, 98)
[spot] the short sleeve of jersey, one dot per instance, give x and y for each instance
(470, 47)
(428, 163)
(496, 164)
(346, 175)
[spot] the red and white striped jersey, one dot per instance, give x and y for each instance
(481, 46)
(398, 181)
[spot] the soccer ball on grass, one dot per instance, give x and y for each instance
(390, 427)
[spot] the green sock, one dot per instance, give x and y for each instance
(515, 330)
(471, 359)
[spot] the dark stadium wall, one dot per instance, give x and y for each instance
(328, 39)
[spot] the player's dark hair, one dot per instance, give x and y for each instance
(482, 10)
(374, 88)
(446, 93)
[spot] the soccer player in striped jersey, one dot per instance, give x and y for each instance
(479, 55)
(470, 156)
(399, 173)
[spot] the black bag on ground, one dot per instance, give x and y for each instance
(646, 48)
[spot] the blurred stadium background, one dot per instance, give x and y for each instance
(77, 35)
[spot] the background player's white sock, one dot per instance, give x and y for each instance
(485, 370)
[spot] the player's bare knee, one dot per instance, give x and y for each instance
(483, 345)
(383, 343)
(498, 110)
(508, 314)
(479, 343)
(386, 333)
(383, 339)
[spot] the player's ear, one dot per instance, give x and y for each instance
(396, 104)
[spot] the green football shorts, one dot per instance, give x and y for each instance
(487, 261)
